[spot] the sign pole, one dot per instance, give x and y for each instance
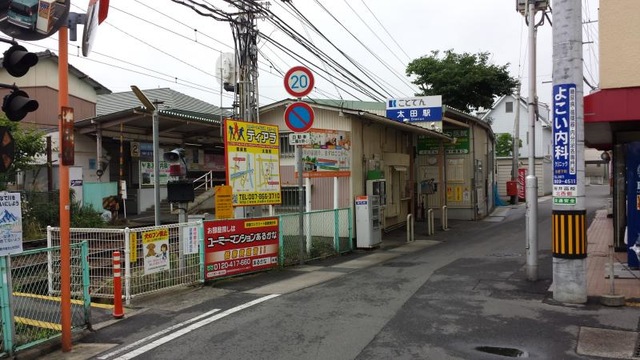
(569, 230)
(298, 154)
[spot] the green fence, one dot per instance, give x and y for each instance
(29, 314)
(323, 233)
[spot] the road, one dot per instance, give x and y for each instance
(446, 300)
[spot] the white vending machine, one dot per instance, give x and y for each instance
(368, 224)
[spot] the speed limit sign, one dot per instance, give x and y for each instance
(298, 81)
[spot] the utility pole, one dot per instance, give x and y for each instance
(569, 230)
(246, 34)
(528, 8)
(516, 145)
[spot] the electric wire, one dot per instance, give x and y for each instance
(385, 29)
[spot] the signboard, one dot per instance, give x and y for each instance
(299, 81)
(252, 162)
(155, 245)
(224, 201)
(190, 240)
(328, 154)
(299, 139)
(565, 165)
(146, 173)
(240, 246)
(431, 145)
(10, 223)
(299, 117)
(415, 109)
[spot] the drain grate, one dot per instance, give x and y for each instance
(503, 351)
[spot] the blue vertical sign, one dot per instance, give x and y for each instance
(565, 164)
(633, 202)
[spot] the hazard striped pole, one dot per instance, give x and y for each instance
(118, 311)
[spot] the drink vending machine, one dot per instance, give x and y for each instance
(368, 224)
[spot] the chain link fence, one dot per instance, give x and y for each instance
(324, 233)
(29, 314)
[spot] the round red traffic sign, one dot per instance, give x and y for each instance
(299, 117)
(298, 81)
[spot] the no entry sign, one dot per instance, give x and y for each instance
(299, 117)
(298, 81)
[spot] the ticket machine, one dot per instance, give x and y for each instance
(368, 222)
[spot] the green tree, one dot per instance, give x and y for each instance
(465, 81)
(29, 143)
(504, 145)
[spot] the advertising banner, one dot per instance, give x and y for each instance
(240, 246)
(565, 165)
(155, 244)
(10, 223)
(328, 154)
(522, 183)
(146, 173)
(253, 162)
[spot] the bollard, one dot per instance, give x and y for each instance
(410, 228)
(118, 311)
(430, 222)
(445, 221)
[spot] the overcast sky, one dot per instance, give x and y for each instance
(159, 43)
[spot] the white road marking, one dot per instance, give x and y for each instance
(158, 334)
(192, 327)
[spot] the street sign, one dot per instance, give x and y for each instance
(298, 81)
(299, 139)
(416, 109)
(299, 117)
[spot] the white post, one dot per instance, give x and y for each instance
(307, 184)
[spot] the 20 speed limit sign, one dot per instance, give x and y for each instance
(298, 81)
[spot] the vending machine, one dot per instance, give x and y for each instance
(633, 204)
(368, 224)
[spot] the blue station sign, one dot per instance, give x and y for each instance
(416, 109)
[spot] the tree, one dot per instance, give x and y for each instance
(465, 81)
(29, 143)
(504, 145)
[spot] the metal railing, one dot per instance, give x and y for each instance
(205, 181)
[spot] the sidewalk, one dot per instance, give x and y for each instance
(626, 281)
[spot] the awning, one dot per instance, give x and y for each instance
(608, 112)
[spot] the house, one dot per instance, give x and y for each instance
(502, 117)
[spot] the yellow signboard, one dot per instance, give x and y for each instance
(224, 202)
(133, 247)
(253, 162)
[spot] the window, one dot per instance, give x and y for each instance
(286, 149)
(291, 198)
(508, 106)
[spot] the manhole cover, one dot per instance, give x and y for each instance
(503, 351)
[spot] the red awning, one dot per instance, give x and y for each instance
(608, 111)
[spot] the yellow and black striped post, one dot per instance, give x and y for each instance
(569, 234)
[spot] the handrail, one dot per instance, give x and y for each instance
(206, 181)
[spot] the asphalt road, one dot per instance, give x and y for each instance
(444, 299)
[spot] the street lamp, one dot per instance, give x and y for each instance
(151, 106)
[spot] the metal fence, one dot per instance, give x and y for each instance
(29, 314)
(324, 233)
(147, 267)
